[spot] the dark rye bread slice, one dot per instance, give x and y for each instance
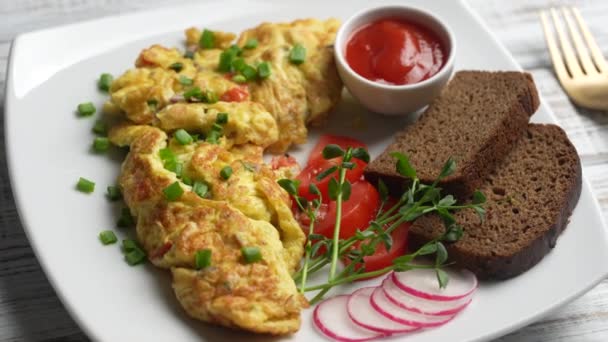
(476, 120)
(530, 197)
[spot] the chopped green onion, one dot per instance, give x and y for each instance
(238, 64)
(173, 191)
(114, 193)
(107, 237)
(125, 220)
(239, 79)
(173, 165)
(222, 118)
(183, 80)
(186, 180)
(249, 72)
(86, 109)
(202, 258)
(235, 50)
(210, 97)
(85, 185)
(189, 54)
(178, 169)
(100, 127)
(101, 144)
(251, 43)
(216, 127)
(226, 172)
(225, 64)
(251, 254)
(166, 154)
(264, 70)
(136, 256)
(105, 81)
(195, 93)
(177, 66)
(183, 137)
(297, 55)
(201, 189)
(207, 40)
(153, 104)
(213, 137)
(129, 245)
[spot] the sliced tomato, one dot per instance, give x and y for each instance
(317, 152)
(357, 212)
(236, 94)
(383, 258)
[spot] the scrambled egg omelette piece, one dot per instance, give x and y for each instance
(248, 123)
(247, 209)
(295, 94)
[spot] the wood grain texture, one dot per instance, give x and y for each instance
(29, 308)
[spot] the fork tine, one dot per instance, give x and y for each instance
(599, 60)
(571, 61)
(556, 57)
(580, 47)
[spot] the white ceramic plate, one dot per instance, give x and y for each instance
(51, 71)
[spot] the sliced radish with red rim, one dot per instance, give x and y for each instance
(331, 318)
(362, 313)
(388, 309)
(421, 305)
(423, 283)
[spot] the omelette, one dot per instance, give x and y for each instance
(295, 95)
(249, 209)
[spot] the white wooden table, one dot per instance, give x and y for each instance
(29, 308)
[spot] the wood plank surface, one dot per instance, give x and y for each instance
(29, 307)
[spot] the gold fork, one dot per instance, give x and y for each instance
(583, 76)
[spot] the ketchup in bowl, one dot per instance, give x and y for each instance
(395, 51)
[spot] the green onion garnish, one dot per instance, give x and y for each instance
(251, 254)
(201, 189)
(85, 185)
(100, 127)
(173, 191)
(225, 64)
(129, 245)
(226, 172)
(251, 43)
(221, 118)
(213, 137)
(210, 97)
(207, 40)
(239, 79)
(238, 64)
(183, 80)
(189, 54)
(249, 72)
(235, 50)
(101, 144)
(136, 256)
(202, 258)
(107, 237)
(264, 70)
(153, 104)
(177, 66)
(105, 81)
(194, 92)
(216, 127)
(114, 193)
(297, 55)
(166, 154)
(86, 109)
(125, 220)
(183, 137)
(186, 180)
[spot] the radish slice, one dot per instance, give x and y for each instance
(421, 305)
(331, 318)
(391, 311)
(422, 282)
(361, 312)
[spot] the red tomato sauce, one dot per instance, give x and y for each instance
(395, 51)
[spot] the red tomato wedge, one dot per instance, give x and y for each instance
(236, 94)
(383, 258)
(317, 164)
(357, 212)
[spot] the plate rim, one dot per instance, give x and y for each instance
(72, 308)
